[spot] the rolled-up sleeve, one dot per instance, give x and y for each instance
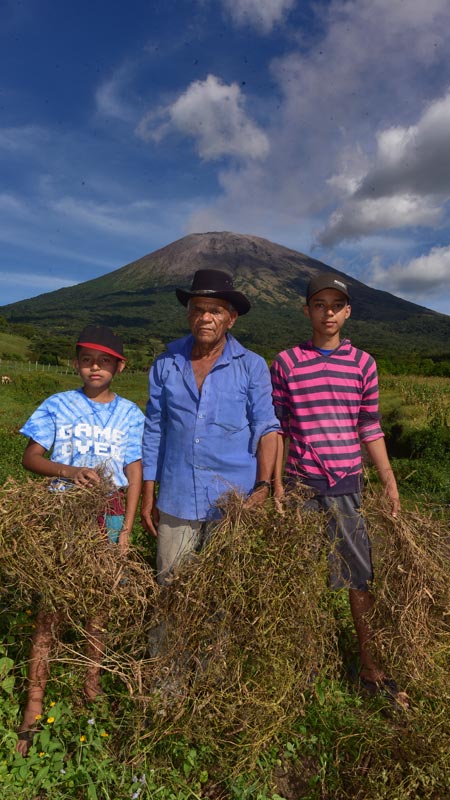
(280, 394)
(260, 410)
(153, 441)
(369, 427)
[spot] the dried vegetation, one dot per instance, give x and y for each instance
(227, 653)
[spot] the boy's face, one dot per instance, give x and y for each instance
(327, 310)
(97, 368)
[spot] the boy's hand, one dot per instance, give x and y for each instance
(392, 492)
(85, 476)
(124, 541)
(378, 455)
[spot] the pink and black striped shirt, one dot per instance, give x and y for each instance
(327, 405)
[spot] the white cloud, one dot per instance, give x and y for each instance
(131, 219)
(260, 14)
(427, 275)
(407, 184)
(110, 94)
(370, 67)
(213, 114)
(34, 280)
(360, 218)
(416, 158)
(23, 139)
(12, 204)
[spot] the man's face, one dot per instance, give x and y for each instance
(328, 310)
(210, 319)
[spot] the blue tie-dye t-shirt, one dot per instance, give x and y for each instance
(82, 433)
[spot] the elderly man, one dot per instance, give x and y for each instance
(210, 425)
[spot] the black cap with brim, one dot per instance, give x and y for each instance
(326, 280)
(99, 337)
(214, 283)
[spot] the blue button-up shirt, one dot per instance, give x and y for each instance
(199, 445)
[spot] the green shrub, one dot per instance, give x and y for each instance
(37, 386)
(11, 447)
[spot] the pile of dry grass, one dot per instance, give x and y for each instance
(241, 632)
(53, 556)
(411, 617)
(227, 653)
(244, 631)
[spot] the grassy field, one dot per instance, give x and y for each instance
(311, 734)
(416, 420)
(13, 347)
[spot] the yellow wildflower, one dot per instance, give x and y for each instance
(82, 738)
(38, 717)
(52, 704)
(41, 755)
(28, 611)
(103, 733)
(50, 720)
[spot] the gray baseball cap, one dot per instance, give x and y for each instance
(326, 280)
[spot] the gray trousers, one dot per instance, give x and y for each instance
(177, 539)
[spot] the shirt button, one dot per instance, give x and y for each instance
(197, 441)
(200, 416)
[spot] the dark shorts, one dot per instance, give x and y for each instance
(349, 555)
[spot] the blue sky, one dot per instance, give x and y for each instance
(323, 126)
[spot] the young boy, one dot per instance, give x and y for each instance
(84, 428)
(325, 394)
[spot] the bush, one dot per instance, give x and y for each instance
(37, 386)
(11, 447)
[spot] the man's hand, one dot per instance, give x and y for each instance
(278, 496)
(258, 496)
(149, 512)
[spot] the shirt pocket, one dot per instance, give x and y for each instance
(230, 411)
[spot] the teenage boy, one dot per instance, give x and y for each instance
(84, 428)
(325, 394)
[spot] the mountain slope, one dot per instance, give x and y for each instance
(139, 301)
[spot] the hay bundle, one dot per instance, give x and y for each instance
(53, 552)
(244, 630)
(412, 589)
(227, 653)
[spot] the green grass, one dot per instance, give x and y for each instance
(416, 421)
(13, 347)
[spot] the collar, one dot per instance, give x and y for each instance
(344, 347)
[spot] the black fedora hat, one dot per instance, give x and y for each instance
(214, 283)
